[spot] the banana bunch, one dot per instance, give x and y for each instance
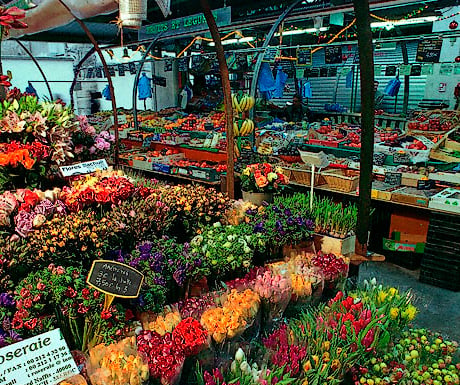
(243, 102)
(246, 127)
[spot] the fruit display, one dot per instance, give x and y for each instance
(242, 102)
(354, 140)
(243, 127)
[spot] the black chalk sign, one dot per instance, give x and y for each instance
(402, 158)
(425, 184)
(304, 57)
(429, 50)
(121, 70)
(115, 278)
(132, 68)
(393, 178)
(182, 64)
(333, 54)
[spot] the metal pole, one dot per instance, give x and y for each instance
(227, 96)
(405, 57)
(38, 66)
(136, 80)
(366, 61)
(107, 74)
(77, 71)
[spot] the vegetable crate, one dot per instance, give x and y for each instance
(342, 180)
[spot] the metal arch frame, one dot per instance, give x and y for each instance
(136, 79)
(260, 56)
(77, 72)
(26, 50)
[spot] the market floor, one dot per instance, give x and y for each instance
(439, 308)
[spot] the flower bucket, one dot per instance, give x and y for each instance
(257, 198)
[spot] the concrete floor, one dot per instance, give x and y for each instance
(439, 309)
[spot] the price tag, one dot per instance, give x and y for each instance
(304, 57)
(132, 68)
(393, 178)
(427, 69)
(429, 50)
(405, 69)
(333, 54)
(41, 360)
(446, 69)
(121, 69)
(416, 70)
(182, 171)
(115, 279)
(425, 184)
(84, 168)
(300, 73)
(402, 158)
(457, 69)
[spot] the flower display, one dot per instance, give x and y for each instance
(232, 318)
(262, 177)
(161, 323)
(333, 267)
(117, 364)
(88, 144)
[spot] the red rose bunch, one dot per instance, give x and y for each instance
(36, 149)
(164, 354)
(193, 336)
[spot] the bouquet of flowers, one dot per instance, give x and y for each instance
(263, 177)
(166, 354)
(161, 323)
(233, 317)
(334, 269)
(275, 292)
(7, 334)
(117, 364)
(88, 144)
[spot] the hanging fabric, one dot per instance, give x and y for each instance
(144, 88)
(280, 81)
(106, 93)
(266, 81)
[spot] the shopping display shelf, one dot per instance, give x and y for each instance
(353, 194)
(178, 176)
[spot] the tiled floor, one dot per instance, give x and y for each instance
(439, 308)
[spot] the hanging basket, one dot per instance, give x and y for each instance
(132, 12)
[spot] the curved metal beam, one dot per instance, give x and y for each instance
(77, 71)
(37, 65)
(136, 79)
(260, 56)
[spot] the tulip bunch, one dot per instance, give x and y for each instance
(230, 320)
(117, 364)
(263, 177)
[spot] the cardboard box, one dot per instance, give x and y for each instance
(337, 246)
(412, 196)
(396, 244)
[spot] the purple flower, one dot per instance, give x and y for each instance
(180, 276)
(259, 227)
(251, 212)
(276, 209)
(287, 212)
(290, 221)
(145, 247)
(45, 207)
(310, 224)
(6, 300)
(300, 221)
(60, 207)
(264, 203)
(24, 223)
(160, 281)
(279, 226)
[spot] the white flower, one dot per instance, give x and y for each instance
(239, 355)
(217, 224)
(245, 368)
(247, 250)
(233, 367)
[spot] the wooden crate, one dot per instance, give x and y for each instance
(335, 246)
(342, 180)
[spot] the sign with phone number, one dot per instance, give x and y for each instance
(41, 360)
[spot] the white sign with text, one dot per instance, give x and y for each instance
(41, 360)
(84, 168)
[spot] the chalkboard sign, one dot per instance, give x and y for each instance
(99, 72)
(314, 72)
(304, 57)
(379, 158)
(425, 184)
(333, 54)
(182, 64)
(112, 71)
(323, 71)
(402, 158)
(271, 53)
(332, 72)
(168, 65)
(416, 70)
(114, 278)
(121, 70)
(393, 178)
(429, 50)
(132, 68)
(390, 71)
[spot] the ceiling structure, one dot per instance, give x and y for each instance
(253, 18)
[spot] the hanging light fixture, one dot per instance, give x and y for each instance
(132, 12)
(126, 54)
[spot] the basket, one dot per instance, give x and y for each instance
(342, 180)
(304, 177)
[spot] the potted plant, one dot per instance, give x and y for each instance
(260, 180)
